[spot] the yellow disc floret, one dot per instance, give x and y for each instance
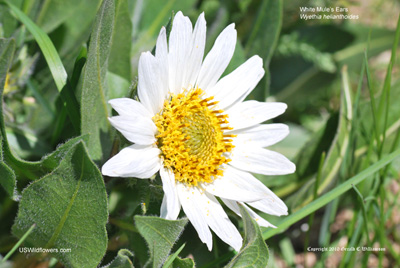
(191, 137)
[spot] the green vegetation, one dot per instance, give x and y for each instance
(62, 60)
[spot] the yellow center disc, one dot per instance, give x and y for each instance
(191, 137)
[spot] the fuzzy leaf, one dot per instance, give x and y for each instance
(182, 263)
(160, 235)
(254, 252)
(122, 260)
(51, 161)
(94, 110)
(69, 207)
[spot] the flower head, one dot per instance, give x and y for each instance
(199, 133)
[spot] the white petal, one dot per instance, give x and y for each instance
(234, 185)
(129, 107)
(134, 161)
(136, 129)
(235, 208)
(162, 58)
(193, 211)
(269, 206)
(179, 45)
(195, 53)
(262, 161)
(150, 86)
(170, 210)
(248, 182)
(260, 135)
(250, 113)
(218, 58)
(219, 221)
(235, 87)
(213, 214)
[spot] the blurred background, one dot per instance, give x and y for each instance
(309, 64)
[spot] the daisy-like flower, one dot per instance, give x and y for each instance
(199, 133)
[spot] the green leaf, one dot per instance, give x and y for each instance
(94, 109)
(160, 235)
(7, 176)
(35, 170)
(182, 263)
(120, 55)
(55, 65)
(51, 161)
(69, 207)
(254, 252)
(122, 260)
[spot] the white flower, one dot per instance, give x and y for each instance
(198, 132)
